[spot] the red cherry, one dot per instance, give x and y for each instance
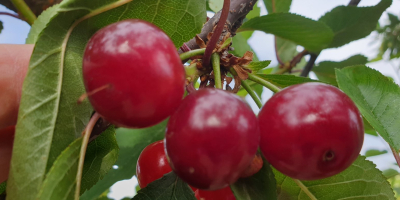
(222, 194)
(138, 73)
(152, 164)
(310, 131)
(211, 139)
(6, 145)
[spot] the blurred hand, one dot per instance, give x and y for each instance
(14, 62)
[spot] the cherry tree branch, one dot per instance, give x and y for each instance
(354, 2)
(238, 11)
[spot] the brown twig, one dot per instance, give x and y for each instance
(354, 2)
(238, 11)
(309, 65)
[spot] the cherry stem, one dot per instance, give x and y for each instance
(84, 96)
(249, 90)
(215, 59)
(217, 33)
(252, 93)
(192, 53)
(191, 72)
(85, 141)
(305, 189)
(10, 14)
(264, 83)
(396, 155)
(24, 10)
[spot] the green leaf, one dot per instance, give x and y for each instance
(261, 185)
(286, 49)
(258, 66)
(168, 187)
(49, 117)
(389, 173)
(374, 152)
(285, 80)
(280, 6)
(101, 155)
(40, 23)
(216, 5)
(240, 46)
(360, 181)
(368, 128)
(351, 23)
(62, 175)
(131, 143)
(377, 98)
(325, 71)
(1, 26)
(313, 35)
(3, 186)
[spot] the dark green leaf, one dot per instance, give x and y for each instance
(389, 173)
(374, 152)
(40, 23)
(131, 143)
(285, 80)
(1, 26)
(3, 186)
(166, 188)
(377, 98)
(351, 23)
(325, 70)
(280, 5)
(261, 185)
(313, 35)
(360, 181)
(101, 155)
(49, 117)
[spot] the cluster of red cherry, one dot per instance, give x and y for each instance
(135, 79)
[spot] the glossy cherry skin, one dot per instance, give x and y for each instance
(152, 164)
(140, 69)
(6, 145)
(211, 139)
(222, 194)
(310, 131)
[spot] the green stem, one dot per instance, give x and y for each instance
(189, 54)
(263, 82)
(191, 72)
(24, 10)
(252, 93)
(249, 90)
(304, 189)
(215, 60)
